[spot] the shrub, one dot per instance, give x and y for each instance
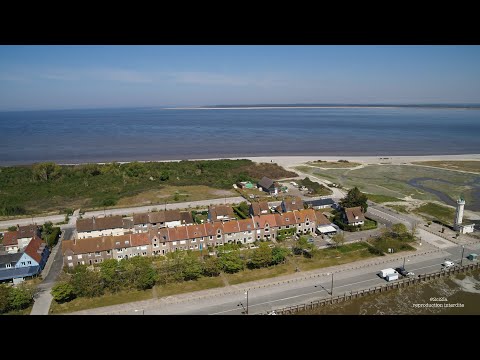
(63, 292)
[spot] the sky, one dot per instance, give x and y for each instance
(75, 77)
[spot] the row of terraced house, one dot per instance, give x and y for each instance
(141, 237)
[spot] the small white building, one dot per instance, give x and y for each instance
(457, 225)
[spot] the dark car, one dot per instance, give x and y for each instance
(404, 272)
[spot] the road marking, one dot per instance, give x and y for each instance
(291, 297)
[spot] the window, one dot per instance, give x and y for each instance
(163, 244)
(155, 245)
(79, 256)
(8, 266)
(194, 240)
(144, 253)
(196, 246)
(210, 237)
(108, 252)
(69, 258)
(29, 262)
(182, 242)
(97, 253)
(119, 250)
(201, 239)
(174, 243)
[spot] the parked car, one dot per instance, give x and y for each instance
(448, 264)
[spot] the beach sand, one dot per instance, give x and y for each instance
(289, 161)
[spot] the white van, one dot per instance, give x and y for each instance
(391, 277)
(385, 272)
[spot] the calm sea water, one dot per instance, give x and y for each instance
(72, 136)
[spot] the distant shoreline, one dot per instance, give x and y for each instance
(293, 160)
(339, 106)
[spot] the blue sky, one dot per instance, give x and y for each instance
(63, 77)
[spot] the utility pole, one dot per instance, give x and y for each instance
(331, 289)
(463, 250)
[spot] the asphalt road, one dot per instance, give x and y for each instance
(273, 297)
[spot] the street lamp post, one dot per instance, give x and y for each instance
(461, 259)
(331, 289)
(245, 311)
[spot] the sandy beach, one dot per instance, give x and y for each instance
(288, 161)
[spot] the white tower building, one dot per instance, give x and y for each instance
(457, 225)
(459, 212)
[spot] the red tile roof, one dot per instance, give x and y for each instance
(33, 249)
(231, 226)
(258, 208)
(261, 220)
(284, 219)
(10, 238)
(321, 218)
(246, 225)
(195, 231)
(293, 204)
(354, 214)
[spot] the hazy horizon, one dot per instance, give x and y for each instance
(70, 77)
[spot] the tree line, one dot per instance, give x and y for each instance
(143, 273)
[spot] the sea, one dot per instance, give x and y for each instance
(145, 134)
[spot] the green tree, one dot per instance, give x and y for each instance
(12, 228)
(86, 283)
(63, 292)
(399, 229)
(111, 276)
(355, 198)
(46, 171)
(261, 257)
(192, 267)
(138, 271)
(279, 255)
(339, 239)
(4, 298)
(211, 266)
(243, 207)
(20, 297)
(231, 262)
(164, 176)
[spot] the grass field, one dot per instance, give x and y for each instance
(438, 212)
(393, 181)
(48, 187)
(333, 165)
(473, 166)
(257, 274)
(399, 208)
(334, 256)
(382, 198)
(172, 194)
(105, 300)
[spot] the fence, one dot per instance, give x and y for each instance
(377, 289)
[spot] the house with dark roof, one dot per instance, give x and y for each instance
(259, 208)
(169, 218)
(102, 226)
(17, 240)
(353, 216)
(320, 203)
(268, 185)
(292, 204)
(30, 262)
(220, 213)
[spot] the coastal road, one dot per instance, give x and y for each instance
(121, 211)
(298, 288)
